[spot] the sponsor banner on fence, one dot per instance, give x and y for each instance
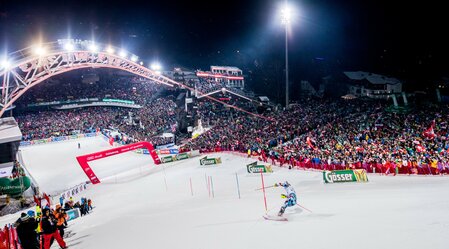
(167, 151)
(209, 161)
(182, 156)
(254, 168)
(73, 213)
(167, 159)
(57, 139)
(357, 175)
(165, 146)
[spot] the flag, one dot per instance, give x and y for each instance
(173, 127)
(420, 148)
(311, 143)
(429, 133)
(48, 199)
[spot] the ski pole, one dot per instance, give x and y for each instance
(264, 187)
(304, 208)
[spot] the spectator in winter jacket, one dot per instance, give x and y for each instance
(26, 231)
(50, 230)
(61, 218)
(89, 204)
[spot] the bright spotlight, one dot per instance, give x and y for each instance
(110, 50)
(134, 58)
(93, 47)
(156, 66)
(69, 46)
(141, 63)
(286, 14)
(40, 51)
(123, 53)
(4, 63)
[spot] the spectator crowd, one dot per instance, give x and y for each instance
(317, 132)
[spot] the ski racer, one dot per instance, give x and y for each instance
(291, 196)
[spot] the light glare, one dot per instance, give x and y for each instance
(110, 50)
(123, 53)
(40, 51)
(286, 14)
(69, 47)
(4, 64)
(156, 66)
(93, 47)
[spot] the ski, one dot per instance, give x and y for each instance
(275, 218)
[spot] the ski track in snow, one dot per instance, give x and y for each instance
(140, 205)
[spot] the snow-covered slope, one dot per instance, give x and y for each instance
(140, 205)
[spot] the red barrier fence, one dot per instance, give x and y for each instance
(8, 238)
(423, 169)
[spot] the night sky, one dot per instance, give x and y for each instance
(408, 41)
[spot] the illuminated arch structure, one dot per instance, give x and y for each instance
(28, 67)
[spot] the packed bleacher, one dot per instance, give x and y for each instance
(335, 135)
(156, 116)
(126, 88)
(315, 133)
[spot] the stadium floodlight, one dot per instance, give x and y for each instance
(69, 46)
(93, 47)
(286, 14)
(40, 51)
(134, 58)
(110, 50)
(4, 63)
(156, 66)
(122, 53)
(141, 63)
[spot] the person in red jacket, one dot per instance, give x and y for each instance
(50, 230)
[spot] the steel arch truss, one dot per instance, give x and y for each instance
(16, 80)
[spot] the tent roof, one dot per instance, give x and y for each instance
(9, 130)
(372, 78)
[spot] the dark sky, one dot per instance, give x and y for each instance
(406, 40)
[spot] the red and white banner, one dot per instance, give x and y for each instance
(84, 159)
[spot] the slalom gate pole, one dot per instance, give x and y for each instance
(304, 208)
(208, 185)
(191, 189)
(212, 187)
(165, 178)
(205, 181)
(263, 188)
(238, 186)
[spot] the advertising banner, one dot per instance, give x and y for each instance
(167, 159)
(167, 151)
(73, 213)
(13, 187)
(165, 146)
(254, 168)
(182, 156)
(57, 139)
(358, 175)
(209, 161)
